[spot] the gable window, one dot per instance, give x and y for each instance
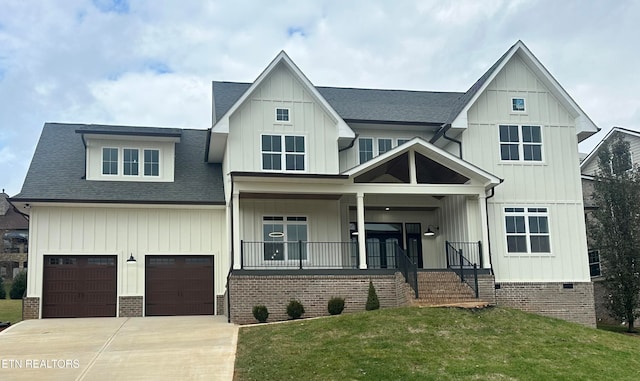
(594, 263)
(384, 145)
(518, 105)
(284, 238)
(109, 161)
(520, 143)
(527, 230)
(294, 153)
(151, 162)
(130, 162)
(282, 114)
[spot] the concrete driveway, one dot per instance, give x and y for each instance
(145, 348)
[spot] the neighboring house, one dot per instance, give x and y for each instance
(589, 168)
(309, 192)
(14, 236)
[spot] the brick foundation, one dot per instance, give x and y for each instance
(130, 306)
(313, 291)
(486, 288)
(550, 299)
(30, 308)
(221, 304)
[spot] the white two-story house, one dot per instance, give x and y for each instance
(305, 192)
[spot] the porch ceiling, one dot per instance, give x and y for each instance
(398, 208)
(290, 196)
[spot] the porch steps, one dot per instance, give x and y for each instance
(442, 288)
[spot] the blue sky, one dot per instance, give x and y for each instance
(151, 62)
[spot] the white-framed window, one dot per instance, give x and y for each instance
(365, 147)
(518, 105)
(384, 145)
(274, 158)
(402, 141)
(527, 230)
(594, 263)
(131, 162)
(285, 238)
(520, 142)
(282, 114)
(368, 148)
(109, 161)
(151, 162)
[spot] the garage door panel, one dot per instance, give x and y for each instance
(179, 285)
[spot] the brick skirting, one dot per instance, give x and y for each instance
(551, 299)
(313, 291)
(30, 308)
(221, 304)
(130, 306)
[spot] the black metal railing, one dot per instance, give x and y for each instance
(407, 267)
(465, 265)
(298, 255)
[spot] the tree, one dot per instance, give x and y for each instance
(19, 285)
(372, 298)
(615, 228)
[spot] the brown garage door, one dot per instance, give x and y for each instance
(79, 286)
(179, 285)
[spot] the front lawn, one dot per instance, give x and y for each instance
(10, 310)
(434, 344)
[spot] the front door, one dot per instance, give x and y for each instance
(414, 243)
(383, 239)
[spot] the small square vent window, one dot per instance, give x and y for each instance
(517, 104)
(282, 114)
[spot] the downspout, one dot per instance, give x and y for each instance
(353, 142)
(444, 135)
(486, 207)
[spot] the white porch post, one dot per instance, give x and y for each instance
(413, 178)
(235, 210)
(485, 229)
(362, 247)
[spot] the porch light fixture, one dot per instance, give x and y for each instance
(276, 234)
(430, 232)
(131, 259)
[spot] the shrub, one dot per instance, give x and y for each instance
(3, 292)
(295, 309)
(372, 299)
(261, 313)
(19, 285)
(335, 305)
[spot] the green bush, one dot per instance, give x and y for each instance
(3, 292)
(295, 309)
(261, 313)
(372, 299)
(19, 285)
(335, 305)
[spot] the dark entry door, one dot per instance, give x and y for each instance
(179, 285)
(79, 286)
(414, 243)
(383, 239)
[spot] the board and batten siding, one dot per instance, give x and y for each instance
(281, 89)
(124, 231)
(553, 183)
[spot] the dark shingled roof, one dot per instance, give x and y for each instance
(373, 105)
(58, 168)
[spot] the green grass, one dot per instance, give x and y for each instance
(10, 310)
(435, 344)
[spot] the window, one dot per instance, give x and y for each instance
(513, 147)
(130, 162)
(109, 161)
(527, 230)
(284, 238)
(366, 149)
(384, 145)
(282, 114)
(294, 157)
(151, 162)
(594, 263)
(403, 141)
(518, 105)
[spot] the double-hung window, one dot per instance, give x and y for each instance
(131, 162)
(594, 263)
(365, 146)
(527, 230)
(520, 143)
(285, 238)
(384, 145)
(151, 162)
(109, 161)
(273, 157)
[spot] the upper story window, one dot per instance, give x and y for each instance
(368, 148)
(594, 263)
(282, 114)
(109, 161)
(403, 141)
(384, 145)
(273, 157)
(131, 162)
(518, 105)
(520, 143)
(527, 230)
(152, 162)
(365, 146)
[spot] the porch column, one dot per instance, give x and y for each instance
(413, 178)
(235, 217)
(482, 198)
(362, 247)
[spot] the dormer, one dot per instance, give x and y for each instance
(139, 154)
